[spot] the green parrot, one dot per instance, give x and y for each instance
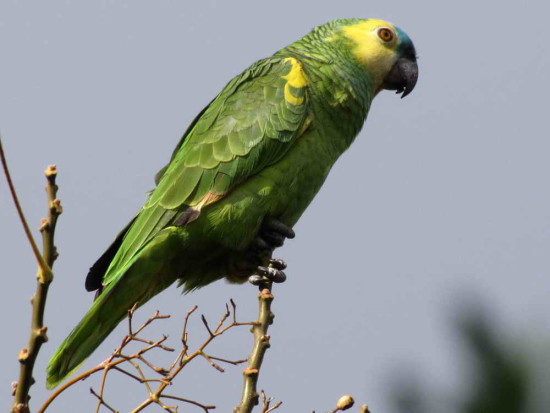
(244, 172)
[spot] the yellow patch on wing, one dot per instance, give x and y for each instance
(295, 80)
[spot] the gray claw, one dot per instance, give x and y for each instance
(280, 277)
(255, 279)
(272, 274)
(277, 263)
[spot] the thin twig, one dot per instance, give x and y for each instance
(72, 382)
(160, 370)
(143, 405)
(186, 322)
(206, 325)
(155, 317)
(101, 390)
(206, 408)
(275, 406)
(266, 402)
(223, 319)
(102, 402)
(234, 310)
(185, 358)
(182, 359)
(235, 363)
(46, 271)
(142, 340)
(212, 363)
(108, 364)
(127, 373)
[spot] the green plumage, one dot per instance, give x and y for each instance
(262, 148)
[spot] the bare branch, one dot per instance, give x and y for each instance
(102, 402)
(235, 363)
(266, 402)
(212, 363)
(234, 310)
(155, 317)
(183, 358)
(206, 408)
(250, 395)
(113, 361)
(203, 318)
(28, 355)
(44, 267)
(223, 319)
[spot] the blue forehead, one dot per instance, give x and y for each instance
(405, 40)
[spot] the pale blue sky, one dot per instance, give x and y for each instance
(442, 200)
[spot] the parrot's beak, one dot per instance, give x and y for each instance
(404, 73)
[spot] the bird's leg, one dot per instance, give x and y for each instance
(272, 234)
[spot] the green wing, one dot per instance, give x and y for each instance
(250, 125)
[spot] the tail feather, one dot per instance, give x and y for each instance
(94, 279)
(149, 272)
(101, 319)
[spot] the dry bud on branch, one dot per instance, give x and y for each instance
(344, 403)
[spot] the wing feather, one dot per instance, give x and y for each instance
(250, 125)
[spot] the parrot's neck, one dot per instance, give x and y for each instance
(338, 91)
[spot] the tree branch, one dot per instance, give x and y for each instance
(43, 267)
(250, 396)
(27, 356)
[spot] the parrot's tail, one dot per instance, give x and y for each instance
(102, 318)
(137, 282)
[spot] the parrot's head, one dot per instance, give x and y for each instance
(385, 51)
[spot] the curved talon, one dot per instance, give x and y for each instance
(274, 239)
(255, 279)
(265, 271)
(277, 263)
(259, 244)
(280, 277)
(271, 274)
(274, 225)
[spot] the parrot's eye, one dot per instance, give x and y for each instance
(385, 34)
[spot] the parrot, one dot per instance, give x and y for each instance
(244, 172)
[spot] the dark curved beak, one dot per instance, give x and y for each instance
(404, 74)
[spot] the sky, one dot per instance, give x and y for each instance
(442, 200)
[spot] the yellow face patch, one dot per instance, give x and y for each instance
(373, 43)
(295, 80)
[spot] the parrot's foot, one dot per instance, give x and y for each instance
(256, 259)
(272, 235)
(273, 273)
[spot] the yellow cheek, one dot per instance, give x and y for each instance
(368, 49)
